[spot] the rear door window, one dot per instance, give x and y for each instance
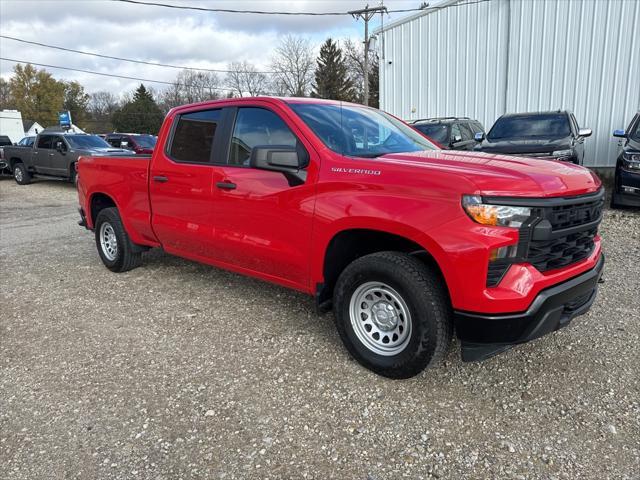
(194, 135)
(45, 141)
(257, 127)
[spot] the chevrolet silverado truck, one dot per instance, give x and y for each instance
(54, 155)
(404, 241)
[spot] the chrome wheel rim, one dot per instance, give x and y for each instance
(18, 174)
(380, 318)
(108, 241)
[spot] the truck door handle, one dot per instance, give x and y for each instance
(226, 185)
(160, 179)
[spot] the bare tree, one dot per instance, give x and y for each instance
(293, 64)
(190, 87)
(354, 56)
(244, 79)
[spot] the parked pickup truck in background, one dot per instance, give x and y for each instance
(54, 155)
(403, 240)
(544, 135)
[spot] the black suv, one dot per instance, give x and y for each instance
(546, 135)
(626, 190)
(454, 133)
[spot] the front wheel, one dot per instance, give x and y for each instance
(393, 314)
(21, 175)
(116, 250)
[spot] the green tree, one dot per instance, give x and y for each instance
(36, 94)
(331, 75)
(77, 102)
(374, 82)
(141, 114)
(6, 101)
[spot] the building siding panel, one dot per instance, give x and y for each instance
(483, 60)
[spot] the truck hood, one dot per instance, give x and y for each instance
(103, 151)
(501, 175)
(525, 145)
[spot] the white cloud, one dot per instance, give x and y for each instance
(155, 34)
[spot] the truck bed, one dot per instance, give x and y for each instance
(127, 178)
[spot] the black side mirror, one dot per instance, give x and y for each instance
(60, 146)
(281, 158)
(479, 136)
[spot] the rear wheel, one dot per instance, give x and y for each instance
(393, 314)
(21, 175)
(116, 250)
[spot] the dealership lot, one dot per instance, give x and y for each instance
(179, 370)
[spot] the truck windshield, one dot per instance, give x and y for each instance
(436, 131)
(634, 134)
(86, 141)
(359, 131)
(145, 141)
(552, 125)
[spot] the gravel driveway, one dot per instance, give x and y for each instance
(181, 371)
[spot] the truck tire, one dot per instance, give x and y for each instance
(21, 175)
(393, 314)
(115, 248)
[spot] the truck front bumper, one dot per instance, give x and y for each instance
(485, 335)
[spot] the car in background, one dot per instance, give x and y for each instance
(4, 141)
(53, 154)
(452, 133)
(139, 143)
(545, 135)
(27, 141)
(626, 188)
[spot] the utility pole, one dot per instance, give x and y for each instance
(367, 14)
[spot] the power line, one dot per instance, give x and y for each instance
(156, 64)
(114, 75)
(266, 12)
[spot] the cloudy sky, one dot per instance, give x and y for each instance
(165, 35)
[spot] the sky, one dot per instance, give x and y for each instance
(165, 35)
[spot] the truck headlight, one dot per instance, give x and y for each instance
(497, 215)
(562, 153)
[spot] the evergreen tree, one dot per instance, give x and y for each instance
(374, 82)
(331, 76)
(139, 115)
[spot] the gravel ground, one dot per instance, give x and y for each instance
(178, 370)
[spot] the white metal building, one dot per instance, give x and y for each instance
(11, 124)
(500, 56)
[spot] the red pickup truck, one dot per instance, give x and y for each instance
(405, 241)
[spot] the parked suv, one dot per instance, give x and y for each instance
(626, 190)
(546, 135)
(455, 133)
(139, 143)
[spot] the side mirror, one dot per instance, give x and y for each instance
(124, 144)
(281, 158)
(585, 132)
(479, 136)
(456, 139)
(619, 134)
(60, 146)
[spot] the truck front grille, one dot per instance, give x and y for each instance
(559, 233)
(562, 251)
